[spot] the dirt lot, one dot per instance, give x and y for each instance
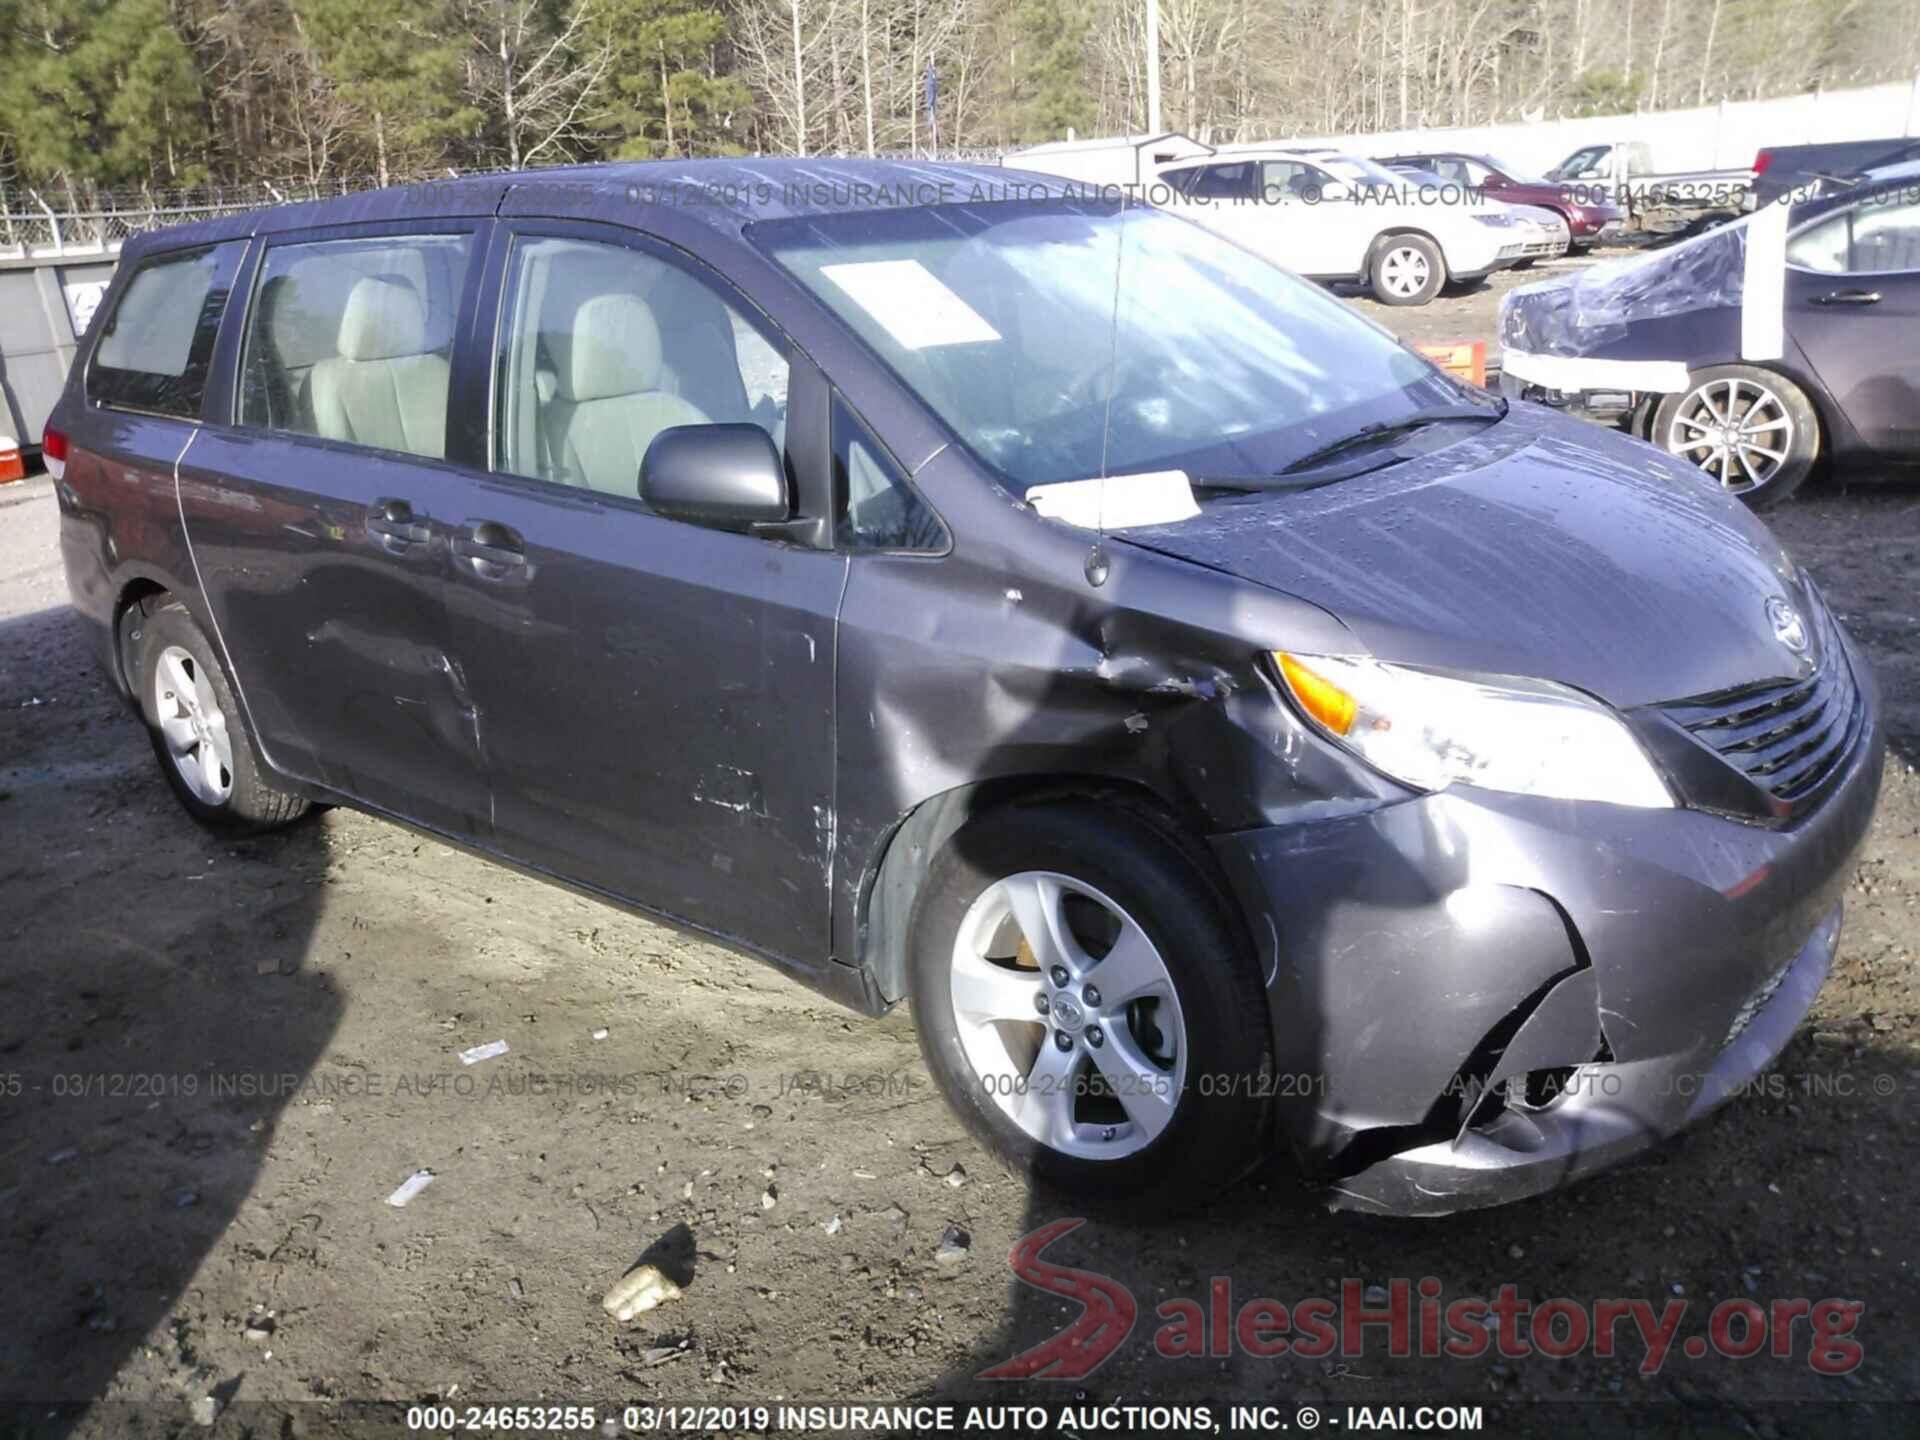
(217, 1061)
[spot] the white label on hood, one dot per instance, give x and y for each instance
(911, 303)
(1154, 497)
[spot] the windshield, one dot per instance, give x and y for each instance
(1514, 173)
(1586, 158)
(1007, 321)
(1360, 172)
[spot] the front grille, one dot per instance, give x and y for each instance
(1786, 736)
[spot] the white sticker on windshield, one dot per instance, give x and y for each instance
(910, 303)
(1157, 497)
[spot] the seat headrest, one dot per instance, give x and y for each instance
(614, 349)
(299, 336)
(383, 320)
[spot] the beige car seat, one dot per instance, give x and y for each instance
(608, 399)
(384, 388)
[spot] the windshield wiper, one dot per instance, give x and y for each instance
(1336, 460)
(1290, 481)
(1371, 435)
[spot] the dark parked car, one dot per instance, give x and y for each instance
(1591, 217)
(1781, 170)
(1753, 350)
(1230, 726)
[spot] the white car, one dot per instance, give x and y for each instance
(1332, 216)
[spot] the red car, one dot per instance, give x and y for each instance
(1591, 217)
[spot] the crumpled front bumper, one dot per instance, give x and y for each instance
(1436, 966)
(1605, 1113)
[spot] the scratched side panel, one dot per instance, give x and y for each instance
(339, 636)
(657, 699)
(118, 519)
(1002, 660)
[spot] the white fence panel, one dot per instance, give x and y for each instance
(1709, 137)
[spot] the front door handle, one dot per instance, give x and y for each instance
(395, 520)
(1849, 297)
(488, 543)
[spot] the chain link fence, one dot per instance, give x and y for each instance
(41, 224)
(37, 224)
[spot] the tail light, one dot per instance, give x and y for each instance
(53, 450)
(1762, 161)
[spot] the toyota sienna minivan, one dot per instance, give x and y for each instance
(1224, 728)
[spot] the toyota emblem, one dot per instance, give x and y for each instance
(1788, 628)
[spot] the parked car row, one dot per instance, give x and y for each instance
(1591, 218)
(1332, 216)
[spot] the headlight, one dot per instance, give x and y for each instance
(1498, 221)
(1530, 737)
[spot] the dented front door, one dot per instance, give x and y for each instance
(655, 704)
(325, 566)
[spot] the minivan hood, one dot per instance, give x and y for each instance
(1543, 546)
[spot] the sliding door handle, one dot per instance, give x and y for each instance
(489, 543)
(395, 520)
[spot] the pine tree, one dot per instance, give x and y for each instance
(666, 94)
(1050, 89)
(400, 64)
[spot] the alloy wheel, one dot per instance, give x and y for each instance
(193, 725)
(1737, 430)
(1068, 1015)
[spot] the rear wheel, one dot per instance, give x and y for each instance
(1087, 1008)
(1407, 270)
(1752, 431)
(198, 730)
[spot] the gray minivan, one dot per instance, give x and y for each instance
(1219, 723)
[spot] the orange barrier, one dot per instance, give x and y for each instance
(1466, 359)
(12, 467)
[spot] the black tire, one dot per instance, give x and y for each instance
(253, 803)
(1742, 391)
(1393, 256)
(1219, 1127)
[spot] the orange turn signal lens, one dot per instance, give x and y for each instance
(1319, 696)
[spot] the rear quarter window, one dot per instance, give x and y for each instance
(157, 342)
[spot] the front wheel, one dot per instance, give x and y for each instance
(1407, 270)
(1087, 1007)
(1752, 431)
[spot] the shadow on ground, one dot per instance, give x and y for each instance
(145, 1053)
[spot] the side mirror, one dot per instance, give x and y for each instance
(727, 477)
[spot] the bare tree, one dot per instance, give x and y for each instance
(539, 78)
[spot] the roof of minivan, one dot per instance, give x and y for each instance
(1250, 150)
(727, 194)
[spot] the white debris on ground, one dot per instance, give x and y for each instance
(409, 1188)
(638, 1291)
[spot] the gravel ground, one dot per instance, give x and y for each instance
(217, 1061)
